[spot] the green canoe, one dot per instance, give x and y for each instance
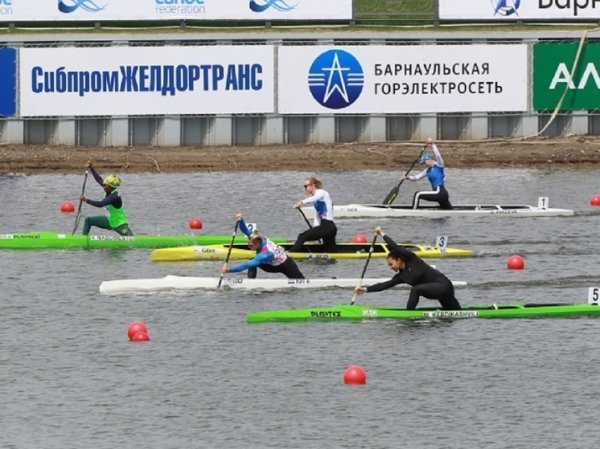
(354, 312)
(55, 240)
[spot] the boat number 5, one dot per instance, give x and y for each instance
(594, 295)
(442, 243)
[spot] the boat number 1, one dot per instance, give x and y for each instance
(442, 243)
(543, 202)
(594, 295)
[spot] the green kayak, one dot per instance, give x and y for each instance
(354, 312)
(55, 240)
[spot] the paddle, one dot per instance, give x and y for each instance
(78, 216)
(362, 276)
(308, 223)
(391, 197)
(304, 216)
(237, 223)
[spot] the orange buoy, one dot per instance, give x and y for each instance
(355, 375)
(515, 262)
(136, 327)
(595, 200)
(195, 223)
(141, 336)
(359, 238)
(67, 207)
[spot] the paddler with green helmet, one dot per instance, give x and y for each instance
(116, 220)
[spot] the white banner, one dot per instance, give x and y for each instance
(146, 80)
(518, 9)
(402, 79)
(99, 10)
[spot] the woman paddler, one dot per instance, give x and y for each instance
(412, 270)
(116, 220)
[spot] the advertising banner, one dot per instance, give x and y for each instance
(402, 79)
(553, 75)
(8, 79)
(157, 10)
(518, 9)
(146, 80)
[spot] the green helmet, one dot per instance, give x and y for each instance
(112, 181)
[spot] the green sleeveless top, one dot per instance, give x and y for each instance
(117, 217)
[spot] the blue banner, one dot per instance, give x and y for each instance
(8, 80)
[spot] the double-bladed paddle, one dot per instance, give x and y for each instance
(78, 216)
(237, 223)
(391, 197)
(362, 276)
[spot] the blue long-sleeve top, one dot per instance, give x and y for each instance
(263, 255)
(113, 198)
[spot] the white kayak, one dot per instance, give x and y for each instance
(171, 282)
(475, 210)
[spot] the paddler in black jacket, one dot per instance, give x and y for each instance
(412, 270)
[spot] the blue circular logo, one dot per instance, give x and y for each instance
(506, 7)
(336, 79)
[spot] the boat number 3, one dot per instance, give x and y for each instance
(594, 295)
(442, 243)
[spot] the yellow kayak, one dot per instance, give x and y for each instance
(313, 251)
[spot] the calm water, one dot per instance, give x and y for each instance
(70, 379)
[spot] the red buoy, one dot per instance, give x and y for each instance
(67, 207)
(141, 336)
(195, 223)
(136, 327)
(359, 238)
(515, 262)
(595, 200)
(355, 375)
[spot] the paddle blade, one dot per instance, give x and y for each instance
(391, 197)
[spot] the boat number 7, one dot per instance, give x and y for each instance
(442, 243)
(594, 295)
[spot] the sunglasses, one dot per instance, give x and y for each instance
(306, 185)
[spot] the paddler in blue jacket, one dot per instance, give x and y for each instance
(116, 220)
(435, 174)
(412, 270)
(270, 257)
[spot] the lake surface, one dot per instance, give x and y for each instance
(69, 378)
